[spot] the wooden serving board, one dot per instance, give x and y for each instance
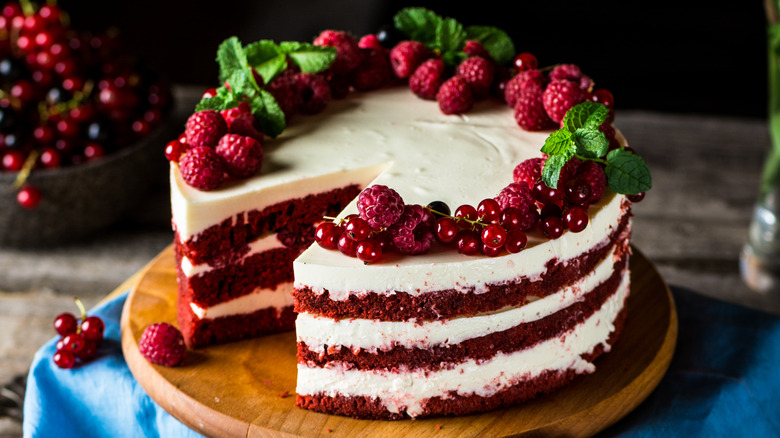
(247, 388)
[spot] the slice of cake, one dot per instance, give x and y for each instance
(403, 310)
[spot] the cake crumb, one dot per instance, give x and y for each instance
(329, 430)
(284, 394)
(438, 427)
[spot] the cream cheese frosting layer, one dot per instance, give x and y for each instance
(258, 246)
(258, 299)
(445, 268)
(319, 332)
(409, 389)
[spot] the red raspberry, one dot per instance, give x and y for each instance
(406, 56)
(370, 41)
(205, 128)
(240, 120)
(525, 80)
(314, 91)
(517, 195)
(162, 344)
(454, 96)
(530, 113)
(339, 86)
(609, 131)
(412, 233)
(478, 73)
(373, 72)
(427, 78)
(529, 171)
(568, 172)
(475, 48)
(380, 206)
(559, 96)
(202, 167)
(243, 155)
(594, 174)
(348, 54)
(573, 73)
(283, 89)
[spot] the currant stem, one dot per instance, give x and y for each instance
(458, 219)
(81, 307)
(27, 167)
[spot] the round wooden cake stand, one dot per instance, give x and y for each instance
(247, 388)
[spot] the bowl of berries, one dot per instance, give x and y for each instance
(80, 124)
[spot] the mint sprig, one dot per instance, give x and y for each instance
(237, 65)
(447, 36)
(627, 173)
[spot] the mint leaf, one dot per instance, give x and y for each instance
(585, 115)
(267, 113)
(552, 168)
(559, 142)
(590, 143)
(267, 59)
(453, 58)
(216, 103)
(310, 58)
(230, 57)
(419, 24)
(450, 35)
(627, 173)
(495, 41)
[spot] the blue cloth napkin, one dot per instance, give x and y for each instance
(724, 381)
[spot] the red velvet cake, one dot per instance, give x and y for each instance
(401, 310)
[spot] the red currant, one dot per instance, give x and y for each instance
(637, 198)
(28, 197)
(516, 240)
(552, 227)
(65, 324)
(174, 149)
(546, 195)
(358, 229)
(492, 252)
(73, 342)
(43, 134)
(13, 160)
(93, 151)
(493, 236)
(578, 191)
(489, 210)
(511, 218)
(467, 212)
(369, 251)
(601, 95)
(576, 219)
(446, 230)
(469, 243)
(347, 246)
(92, 328)
(526, 61)
(64, 359)
(88, 352)
(50, 158)
(327, 235)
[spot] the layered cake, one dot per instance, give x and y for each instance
(433, 322)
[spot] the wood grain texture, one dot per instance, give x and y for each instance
(247, 388)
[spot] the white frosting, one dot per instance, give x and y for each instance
(256, 300)
(409, 389)
(317, 331)
(262, 244)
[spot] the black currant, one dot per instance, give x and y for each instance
(388, 36)
(439, 209)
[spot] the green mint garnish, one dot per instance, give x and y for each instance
(268, 59)
(627, 173)
(447, 36)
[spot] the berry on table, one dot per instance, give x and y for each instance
(64, 359)
(28, 196)
(162, 344)
(65, 324)
(92, 328)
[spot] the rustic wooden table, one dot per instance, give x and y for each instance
(692, 226)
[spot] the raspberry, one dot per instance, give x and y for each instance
(573, 73)
(568, 172)
(339, 86)
(243, 155)
(517, 195)
(406, 56)
(240, 120)
(609, 131)
(204, 128)
(529, 171)
(525, 80)
(478, 73)
(373, 72)
(283, 89)
(454, 96)
(296, 235)
(348, 54)
(559, 96)
(162, 344)
(594, 174)
(427, 78)
(380, 206)
(314, 91)
(410, 233)
(475, 48)
(530, 113)
(202, 167)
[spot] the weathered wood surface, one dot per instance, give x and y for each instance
(692, 226)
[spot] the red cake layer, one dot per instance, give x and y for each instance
(221, 243)
(517, 338)
(449, 303)
(454, 404)
(203, 332)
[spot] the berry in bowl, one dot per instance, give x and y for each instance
(80, 125)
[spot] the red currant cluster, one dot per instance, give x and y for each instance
(79, 341)
(67, 97)
(353, 237)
